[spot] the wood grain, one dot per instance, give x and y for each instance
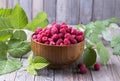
(85, 11)
(117, 8)
(3, 3)
(37, 7)
(50, 9)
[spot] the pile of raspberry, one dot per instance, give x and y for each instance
(58, 34)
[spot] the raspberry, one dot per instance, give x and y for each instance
(83, 70)
(66, 41)
(73, 31)
(79, 32)
(81, 65)
(55, 37)
(54, 30)
(47, 32)
(79, 38)
(59, 41)
(44, 39)
(69, 29)
(68, 36)
(50, 39)
(38, 30)
(64, 26)
(73, 41)
(63, 23)
(52, 43)
(53, 23)
(61, 44)
(57, 26)
(39, 40)
(62, 30)
(34, 36)
(60, 35)
(97, 67)
(47, 42)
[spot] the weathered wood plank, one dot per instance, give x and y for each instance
(97, 10)
(23, 75)
(37, 7)
(61, 11)
(85, 11)
(50, 9)
(108, 9)
(45, 75)
(27, 6)
(73, 12)
(3, 3)
(10, 3)
(117, 9)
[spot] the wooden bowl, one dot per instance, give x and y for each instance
(58, 56)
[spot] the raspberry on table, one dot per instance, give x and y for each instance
(97, 67)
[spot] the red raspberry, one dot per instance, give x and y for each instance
(55, 37)
(63, 23)
(73, 31)
(69, 29)
(66, 41)
(81, 65)
(64, 26)
(39, 39)
(53, 23)
(50, 39)
(59, 41)
(97, 67)
(79, 32)
(47, 32)
(47, 42)
(38, 30)
(79, 38)
(34, 36)
(54, 30)
(68, 36)
(52, 43)
(73, 41)
(63, 30)
(83, 70)
(44, 39)
(57, 26)
(61, 44)
(61, 35)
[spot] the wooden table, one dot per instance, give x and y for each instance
(110, 72)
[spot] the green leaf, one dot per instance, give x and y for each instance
(80, 26)
(5, 35)
(107, 35)
(30, 59)
(20, 35)
(89, 57)
(94, 38)
(7, 66)
(5, 12)
(18, 17)
(39, 65)
(116, 50)
(39, 59)
(103, 53)
(31, 70)
(18, 48)
(39, 21)
(5, 24)
(115, 40)
(113, 20)
(3, 51)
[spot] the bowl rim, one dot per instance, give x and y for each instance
(55, 45)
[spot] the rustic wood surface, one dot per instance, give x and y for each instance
(70, 11)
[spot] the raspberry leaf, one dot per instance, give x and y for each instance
(18, 48)
(89, 57)
(3, 51)
(39, 21)
(103, 53)
(30, 59)
(10, 65)
(20, 35)
(5, 35)
(116, 50)
(18, 17)
(5, 12)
